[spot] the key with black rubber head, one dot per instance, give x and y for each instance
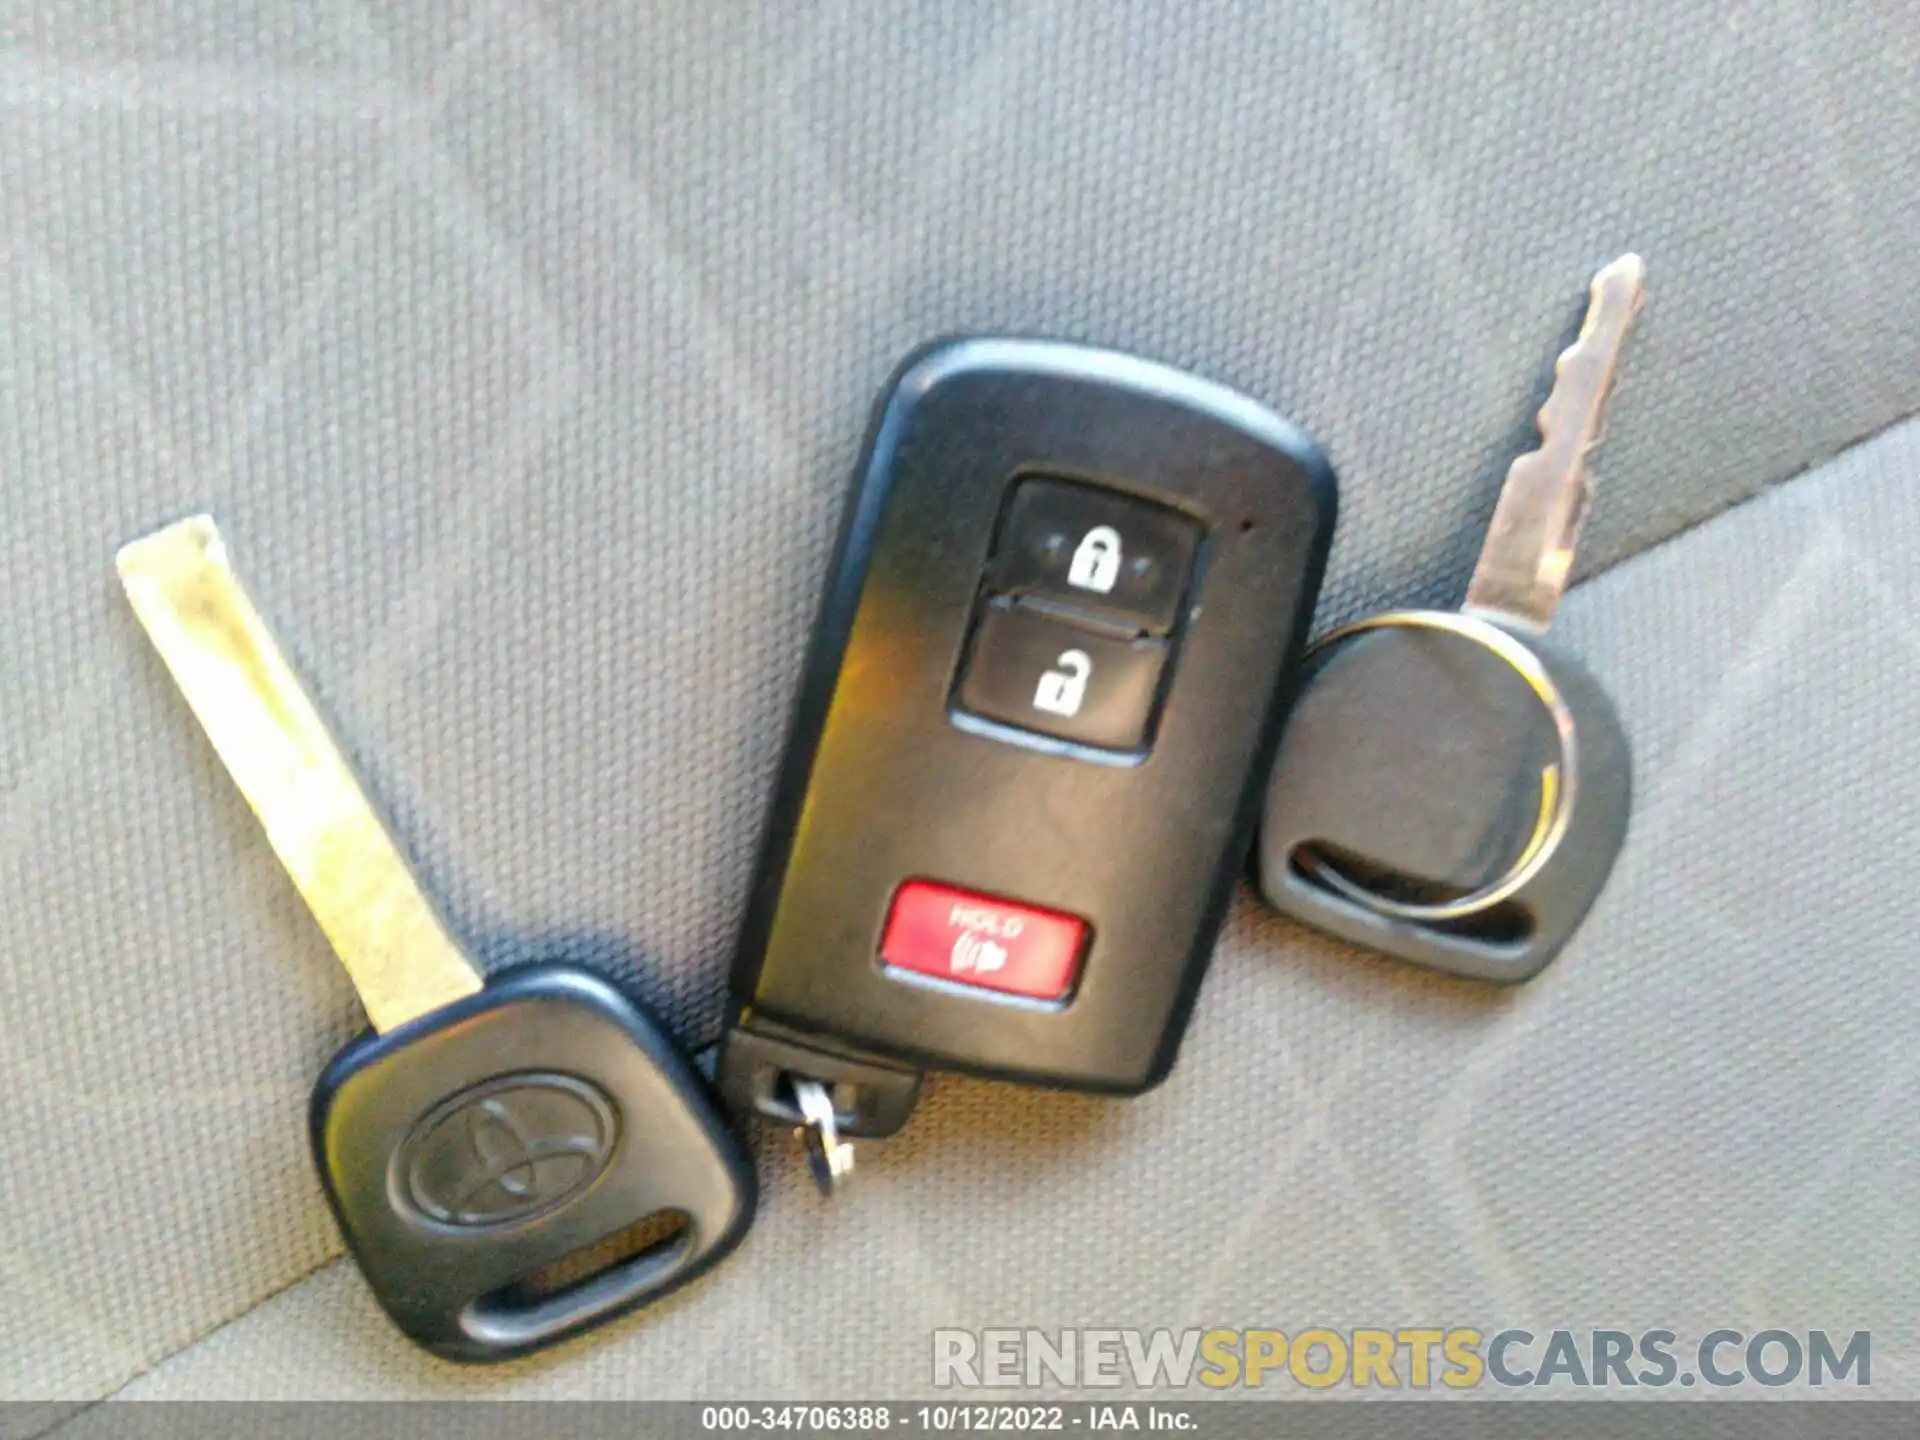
(1452, 788)
(510, 1160)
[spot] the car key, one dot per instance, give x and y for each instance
(1452, 788)
(1045, 684)
(487, 1132)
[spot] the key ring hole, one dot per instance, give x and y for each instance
(1505, 925)
(637, 1260)
(663, 1235)
(786, 1105)
(829, 1157)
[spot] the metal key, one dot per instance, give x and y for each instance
(1528, 555)
(1452, 788)
(489, 1131)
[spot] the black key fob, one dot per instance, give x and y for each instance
(1029, 744)
(487, 1162)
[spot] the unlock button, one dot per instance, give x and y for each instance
(1036, 672)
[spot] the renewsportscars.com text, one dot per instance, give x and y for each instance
(1459, 1358)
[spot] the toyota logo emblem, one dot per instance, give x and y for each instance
(506, 1151)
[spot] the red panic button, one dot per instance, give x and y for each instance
(974, 939)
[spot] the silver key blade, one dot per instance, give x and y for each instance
(1528, 554)
(395, 947)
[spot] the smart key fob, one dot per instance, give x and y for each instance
(1046, 682)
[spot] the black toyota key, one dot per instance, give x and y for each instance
(509, 1161)
(1030, 738)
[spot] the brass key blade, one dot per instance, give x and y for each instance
(1523, 567)
(395, 947)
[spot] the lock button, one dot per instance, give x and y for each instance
(1098, 551)
(1032, 670)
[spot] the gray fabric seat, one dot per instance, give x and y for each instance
(1696, 1114)
(523, 354)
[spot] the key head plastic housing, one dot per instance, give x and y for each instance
(469, 1151)
(1137, 832)
(1412, 759)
